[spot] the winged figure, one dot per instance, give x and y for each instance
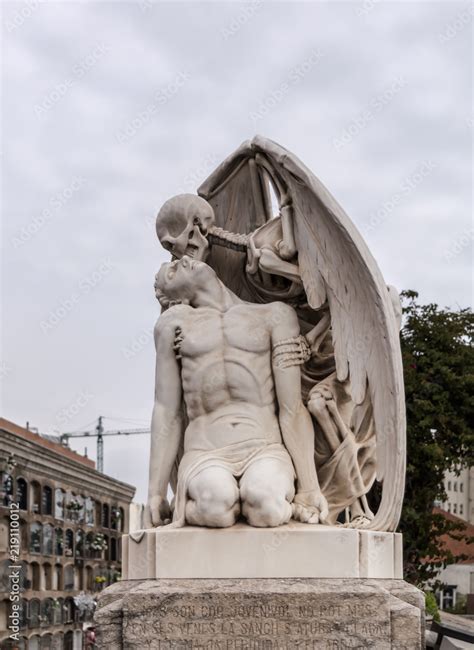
(272, 232)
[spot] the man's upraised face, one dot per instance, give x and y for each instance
(179, 281)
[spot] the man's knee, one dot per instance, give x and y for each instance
(214, 501)
(264, 507)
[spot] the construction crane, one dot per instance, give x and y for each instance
(99, 433)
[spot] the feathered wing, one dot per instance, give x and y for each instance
(336, 267)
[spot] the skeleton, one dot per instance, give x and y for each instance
(185, 225)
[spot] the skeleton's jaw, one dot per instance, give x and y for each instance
(199, 253)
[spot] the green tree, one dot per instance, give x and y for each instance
(438, 360)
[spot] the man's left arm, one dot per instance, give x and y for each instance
(288, 351)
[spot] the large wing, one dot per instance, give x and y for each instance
(336, 267)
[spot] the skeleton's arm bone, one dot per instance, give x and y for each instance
(295, 421)
(271, 263)
(167, 420)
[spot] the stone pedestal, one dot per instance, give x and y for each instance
(261, 614)
(292, 551)
(242, 588)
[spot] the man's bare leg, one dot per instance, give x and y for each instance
(213, 499)
(266, 490)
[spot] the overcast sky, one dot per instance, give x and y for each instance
(110, 108)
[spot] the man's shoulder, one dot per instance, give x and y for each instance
(171, 318)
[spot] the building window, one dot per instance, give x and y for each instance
(455, 486)
(69, 543)
(461, 509)
(7, 489)
(105, 516)
(35, 576)
(455, 508)
(47, 611)
(74, 508)
(116, 517)
(48, 535)
(447, 597)
(58, 611)
(449, 507)
(58, 570)
(35, 497)
(69, 577)
(48, 576)
(34, 617)
(35, 537)
(59, 503)
(59, 542)
(89, 579)
(449, 485)
(461, 487)
(34, 642)
(46, 642)
(23, 614)
(89, 511)
(69, 612)
(22, 493)
(113, 549)
(79, 543)
(47, 500)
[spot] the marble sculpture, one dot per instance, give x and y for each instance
(279, 385)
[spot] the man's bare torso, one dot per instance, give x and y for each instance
(226, 376)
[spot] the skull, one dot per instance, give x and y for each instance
(182, 225)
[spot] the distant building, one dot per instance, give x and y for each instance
(460, 493)
(70, 520)
(458, 578)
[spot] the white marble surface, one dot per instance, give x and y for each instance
(294, 550)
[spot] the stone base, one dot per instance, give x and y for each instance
(304, 614)
(292, 551)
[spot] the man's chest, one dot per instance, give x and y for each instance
(208, 330)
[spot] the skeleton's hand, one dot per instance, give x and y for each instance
(157, 512)
(323, 391)
(310, 507)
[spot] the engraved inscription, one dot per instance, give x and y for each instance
(263, 622)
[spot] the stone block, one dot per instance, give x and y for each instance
(251, 614)
(292, 551)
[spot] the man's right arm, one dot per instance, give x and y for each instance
(167, 419)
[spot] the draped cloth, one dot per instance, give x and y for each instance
(236, 458)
